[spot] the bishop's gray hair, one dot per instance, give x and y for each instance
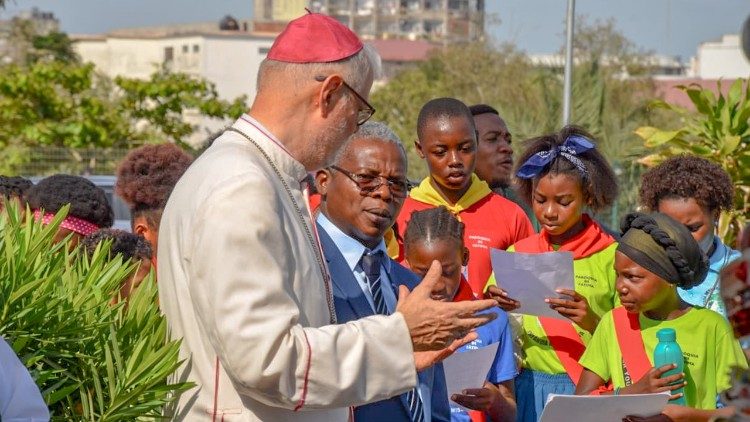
(354, 70)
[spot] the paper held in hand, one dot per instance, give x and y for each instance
(468, 369)
(602, 408)
(531, 277)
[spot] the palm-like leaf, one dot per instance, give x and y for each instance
(93, 360)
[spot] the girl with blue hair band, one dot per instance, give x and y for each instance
(561, 175)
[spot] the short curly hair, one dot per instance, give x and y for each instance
(146, 177)
(599, 186)
(130, 246)
(14, 186)
(687, 176)
(87, 201)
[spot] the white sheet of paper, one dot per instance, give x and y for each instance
(602, 408)
(468, 369)
(531, 277)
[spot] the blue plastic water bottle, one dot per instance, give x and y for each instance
(668, 352)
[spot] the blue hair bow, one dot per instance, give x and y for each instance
(572, 146)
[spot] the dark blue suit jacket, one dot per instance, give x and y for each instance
(351, 304)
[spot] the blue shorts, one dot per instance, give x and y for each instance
(532, 389)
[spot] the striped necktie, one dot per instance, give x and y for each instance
(371, 263)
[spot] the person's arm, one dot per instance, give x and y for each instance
(589, 382)
(20, 398)
(247, 296)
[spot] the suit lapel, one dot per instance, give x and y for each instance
(343, 278)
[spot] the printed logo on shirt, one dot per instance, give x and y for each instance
(480, 242)
(538, 340)
(585, 280)
(474, 345)
(690, 358)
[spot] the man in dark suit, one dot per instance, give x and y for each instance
(362, 193)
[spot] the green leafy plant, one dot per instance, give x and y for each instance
(718, 130)
(92, 359)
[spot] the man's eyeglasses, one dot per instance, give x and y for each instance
(368, 183)
(363, 114)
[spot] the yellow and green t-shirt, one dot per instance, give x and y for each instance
(706, 340)
(594, 279)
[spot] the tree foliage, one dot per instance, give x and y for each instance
(92, 359)
(68, 104)
(718, 130)
(162, 100)
(49, 98)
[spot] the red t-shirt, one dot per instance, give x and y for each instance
(491, 222)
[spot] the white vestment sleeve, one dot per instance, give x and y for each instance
(245, 278)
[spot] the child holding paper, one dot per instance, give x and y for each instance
(447, 141)
(435, 234)
(561, 175)
(655, 256)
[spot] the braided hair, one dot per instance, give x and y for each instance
(683, 253)
(433, 224)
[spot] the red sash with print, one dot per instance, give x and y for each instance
(634, 358)
(562, 336)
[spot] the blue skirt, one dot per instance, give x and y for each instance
(532, 389)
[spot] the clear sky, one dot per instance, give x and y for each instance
(673, 27)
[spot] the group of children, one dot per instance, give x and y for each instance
(659, 271)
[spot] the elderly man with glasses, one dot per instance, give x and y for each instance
(362, 193)
(242, 279)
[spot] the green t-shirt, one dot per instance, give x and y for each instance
(595, 280)
(706, 340)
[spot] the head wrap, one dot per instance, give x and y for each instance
(74, 224)
(314, 38)
(573, 145)
(663, 246)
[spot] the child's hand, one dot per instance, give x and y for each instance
(653, 382)
(506, 303)
(480, 399)
(576, 310)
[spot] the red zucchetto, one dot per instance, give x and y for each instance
(314, 38)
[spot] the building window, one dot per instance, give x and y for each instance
(168, 54)
(185, 48)
(196, 48)
(263, 50)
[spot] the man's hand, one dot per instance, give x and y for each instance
(434, 325)
(424, 360)
(575, 309)
(505, 302)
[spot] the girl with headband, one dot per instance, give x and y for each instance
(561, 175)
(655, 256)
(89, 207)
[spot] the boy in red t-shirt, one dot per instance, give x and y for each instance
(447, 140)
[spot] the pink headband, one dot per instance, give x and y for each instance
(77, 225)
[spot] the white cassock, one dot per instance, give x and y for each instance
(240, 282)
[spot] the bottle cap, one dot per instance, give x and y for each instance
(666, 334)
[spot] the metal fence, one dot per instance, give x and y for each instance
(43, 161)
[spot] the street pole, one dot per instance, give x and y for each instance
(567, 82)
